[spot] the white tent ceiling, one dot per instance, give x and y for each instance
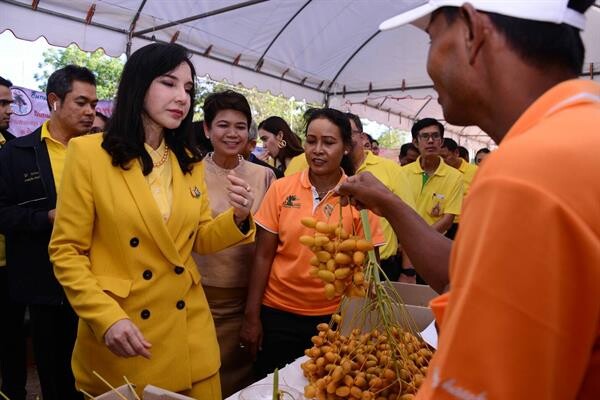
(317, 50)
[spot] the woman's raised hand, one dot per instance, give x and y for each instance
(241, 197)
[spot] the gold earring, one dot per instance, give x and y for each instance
(54, 106)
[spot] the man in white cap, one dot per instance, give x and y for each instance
(522, 317)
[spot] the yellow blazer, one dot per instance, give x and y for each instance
(116, 258)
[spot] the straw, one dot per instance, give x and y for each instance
(87, 394)
(5, 397)
(109, 385)
(131, 387)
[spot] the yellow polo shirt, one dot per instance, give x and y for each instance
(296, 164)
(441, 194)
(468, 170)
(391, 175)
(57, 153)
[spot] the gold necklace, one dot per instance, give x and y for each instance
(163, 159)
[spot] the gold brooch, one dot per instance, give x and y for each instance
(195, 192)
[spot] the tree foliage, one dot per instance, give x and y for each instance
(107, 69)
(393, 138)
(263, 104)
(108, 72)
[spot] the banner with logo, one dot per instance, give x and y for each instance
(30, 110)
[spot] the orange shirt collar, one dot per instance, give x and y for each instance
(565, 94)
(305, 181)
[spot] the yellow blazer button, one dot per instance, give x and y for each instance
(147, 275)
(180, 305)
(134, 242)
(179, 270)
(145, 314)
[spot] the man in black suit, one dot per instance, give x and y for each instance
(12, 335)
(30, 172)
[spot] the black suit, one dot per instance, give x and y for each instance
(27, 193)
(13, 354)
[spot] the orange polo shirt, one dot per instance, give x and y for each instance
(522, 319)
(290, 287)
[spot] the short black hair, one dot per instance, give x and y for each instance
(342, 121)
(101, 116)
(482, 150)
(539, 43)
(226, 100)
(424, 123)
(450, 144)
(5, 82)
(463, 152)
(61, 81)
(356, 120)
(405, 148)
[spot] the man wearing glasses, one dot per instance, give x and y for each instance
(437, 187)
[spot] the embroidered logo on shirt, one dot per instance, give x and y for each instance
(31, 176)
(195, 192)
(328, 210)
(290, 201)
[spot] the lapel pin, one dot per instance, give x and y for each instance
(195, 192)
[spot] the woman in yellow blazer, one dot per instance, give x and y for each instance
(131, 208)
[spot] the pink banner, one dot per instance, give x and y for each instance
(30, 110)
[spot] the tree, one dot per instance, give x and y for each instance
(392, 139)
(107, 69)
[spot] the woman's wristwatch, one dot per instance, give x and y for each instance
(408, 271)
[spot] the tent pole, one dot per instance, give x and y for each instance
(132, 28)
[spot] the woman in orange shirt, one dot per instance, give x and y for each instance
(284, 303)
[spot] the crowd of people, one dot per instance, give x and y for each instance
(149, 246)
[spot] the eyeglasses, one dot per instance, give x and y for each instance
(428, 136)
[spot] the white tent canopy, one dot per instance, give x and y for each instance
(318, 50)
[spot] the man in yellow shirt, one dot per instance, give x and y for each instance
(452, 157)
(30, 172)
(437, 187)
(390, 174)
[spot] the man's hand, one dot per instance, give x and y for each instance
(51, 215)
(125, 340)
(364, 191)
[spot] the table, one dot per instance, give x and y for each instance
(290, 375)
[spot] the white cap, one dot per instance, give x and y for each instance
(555, 11)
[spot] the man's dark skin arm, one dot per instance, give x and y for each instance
(428, 250)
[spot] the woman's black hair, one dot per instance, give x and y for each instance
(293, 145)
(340, 120)
(124, 137)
